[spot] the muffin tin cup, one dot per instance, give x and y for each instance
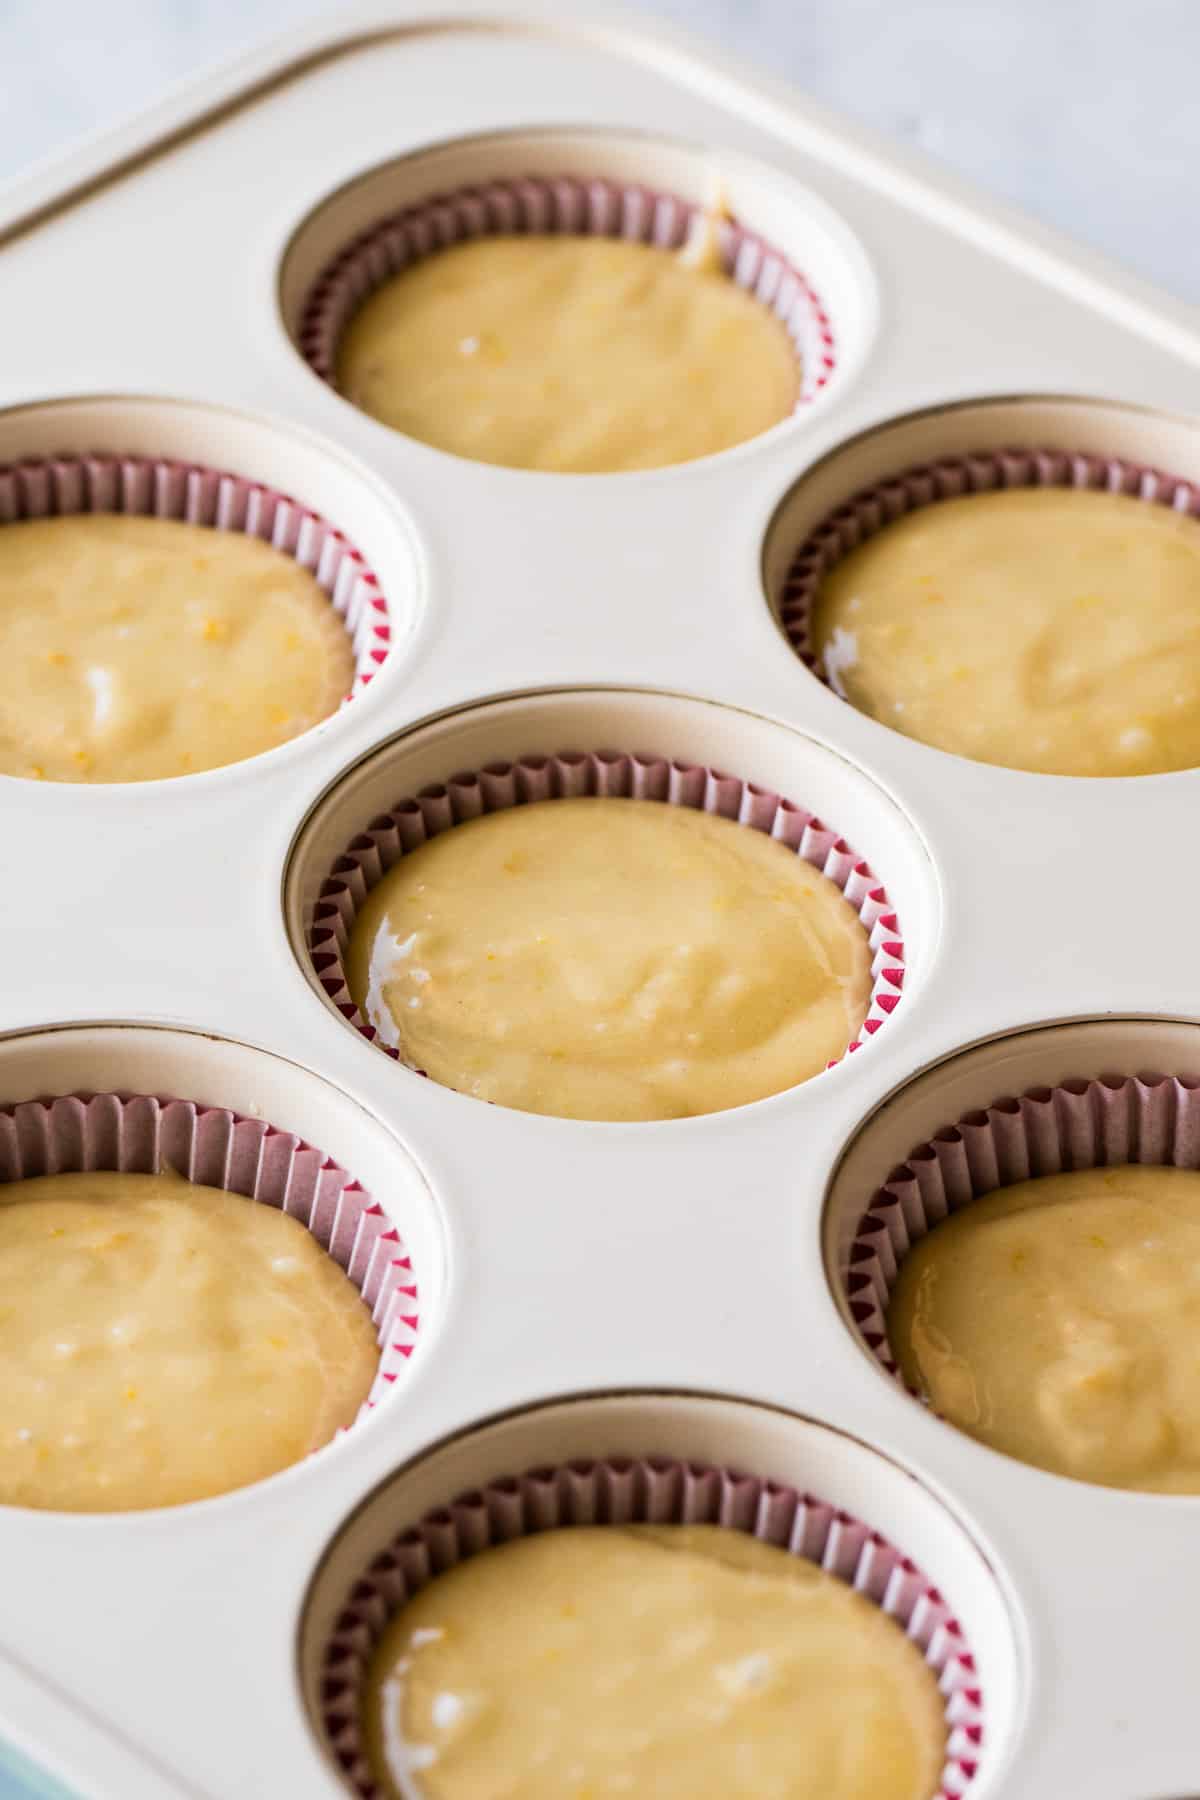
(193, 494)
(215, 1147)
(566, 205)
(597, 774)
(874, 508)
(658, 1492)
(1106, 1122)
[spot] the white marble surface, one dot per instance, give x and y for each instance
(1083, 112)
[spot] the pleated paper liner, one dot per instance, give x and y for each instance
(618, 1492)
(1096, 1124)
(143, 1134)
(868, 513)
(188, 493)
(568, 775)
(568, 206)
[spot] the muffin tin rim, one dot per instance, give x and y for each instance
(651, 1391)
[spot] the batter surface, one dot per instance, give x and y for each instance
(578, 354)
(1046, 629)
(677, 1661)
(610, 959)
(1056, 1320)
(135, 648)
(162, 1342)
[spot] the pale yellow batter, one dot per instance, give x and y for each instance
(1059, 1320)
(162, 1342)
(135, 648)
(610, 959)
(676, 1661)
(1044, 629)
(580, 354)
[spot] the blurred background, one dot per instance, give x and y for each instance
(1082, 112)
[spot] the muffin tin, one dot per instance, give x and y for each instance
(599, 1294)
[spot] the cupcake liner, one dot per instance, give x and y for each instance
(659, 1492)
(141, 1134)
(601, 773)
(1104, 1123)
(867, 513)
(159, 488)
(568, 206)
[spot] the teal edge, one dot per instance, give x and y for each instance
(22, 1780)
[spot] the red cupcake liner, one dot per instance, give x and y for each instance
(620, 1492)
(602, 773)
(867, 513)
(142, 1134)
(568, 206)
(1104, 1123)
(160, 488)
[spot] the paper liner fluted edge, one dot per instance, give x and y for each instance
(569, 206)
(870, 511)
(214, 1147)
(568, 775)
(650, 1491)
(1100, 1123)
(194, 494)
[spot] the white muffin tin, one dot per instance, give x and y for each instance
(155, 932)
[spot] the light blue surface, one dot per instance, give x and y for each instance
(20, 1780)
